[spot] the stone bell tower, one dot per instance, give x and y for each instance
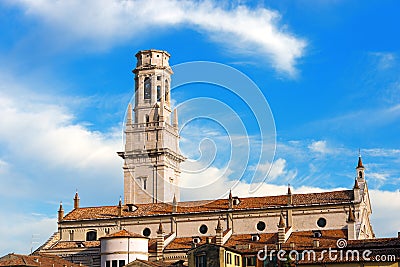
(151, 157)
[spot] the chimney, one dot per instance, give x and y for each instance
(398, 234)
(76, 200)
(60, 213)
(219, 231)
(160, 242)
(208, 239)
(316, 243)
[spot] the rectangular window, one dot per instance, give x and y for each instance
(114, 263)
(121, 263)
(71, 235)
(201, 261)
(228, 258)
(251, 261)
(158, 78)
(108, 264)
(237, 260)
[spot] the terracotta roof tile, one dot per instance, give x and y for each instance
(304, 239)
(107, 212)
(35, 260)
(123, 233)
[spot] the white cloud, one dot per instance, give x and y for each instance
(319, 147)
(45, 149)
(384, 60)
(22, 232)
(385, 212)
(239, 28)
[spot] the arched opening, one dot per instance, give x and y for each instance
(166, 90)
(91, 235)
(360, 174)
(147, 88)
(158, 93)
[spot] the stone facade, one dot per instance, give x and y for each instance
(151, 157)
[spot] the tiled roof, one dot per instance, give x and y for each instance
(184, 243)
(244, 243)
(76, 244)
(151, 209)
(138, 262)
(35, 260)
(304, 239)
(123, 233)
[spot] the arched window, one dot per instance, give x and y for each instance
(360, 174)
(147, 88)
(158, 93)
(91, 235)
(166, 90)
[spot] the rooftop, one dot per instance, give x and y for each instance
(249, 203)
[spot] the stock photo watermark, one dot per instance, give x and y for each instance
(339, 253)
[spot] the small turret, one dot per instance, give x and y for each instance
(160, 242)
(230, 200)
(290, 197)
(120, 207)
(281, 223)
(219, 233)
(351, 225)
(60, 213)
(356, 191)
(351, 217)
(129, 118)
(281, 230)
(360, 169)
(174, 205)
(76, 200)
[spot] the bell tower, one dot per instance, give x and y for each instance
(151, 157)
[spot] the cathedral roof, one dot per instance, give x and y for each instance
(250, 203)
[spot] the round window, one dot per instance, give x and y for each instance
(203, 229)
(261, 226)
(321, 222)
(146, 232)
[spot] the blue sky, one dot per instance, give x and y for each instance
(328, 69)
